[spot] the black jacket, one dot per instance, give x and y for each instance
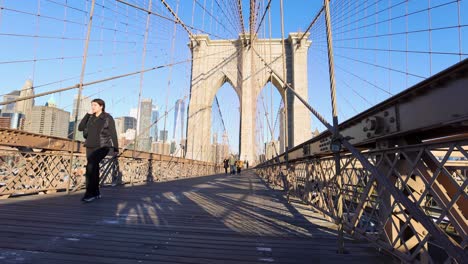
(99, 131)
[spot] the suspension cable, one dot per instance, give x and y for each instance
(212, 16)
(169, 78)
(241, 17)
(104, 80)
(143, 58)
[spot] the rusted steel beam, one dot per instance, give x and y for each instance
(26, 140)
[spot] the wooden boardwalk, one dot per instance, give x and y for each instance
(212, 219)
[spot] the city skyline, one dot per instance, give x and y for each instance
(16, 111)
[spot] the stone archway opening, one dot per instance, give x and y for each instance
(270, 121)
(225, 123)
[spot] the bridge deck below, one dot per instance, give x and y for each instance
(212, 219)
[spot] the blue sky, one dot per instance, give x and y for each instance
(362, 60)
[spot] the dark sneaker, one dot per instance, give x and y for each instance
(88, 196)
(90, 199)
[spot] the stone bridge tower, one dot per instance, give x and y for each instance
(216, 62)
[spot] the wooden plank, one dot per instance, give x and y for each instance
(212, 219)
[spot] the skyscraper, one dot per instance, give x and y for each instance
(271, 149)
(179, 118)
(85, 105)
(125, 123)
(143, 133)
(154, 117)
(10, 108)
(25, 106)
(48, 120)
(163, 135)
(129, 123)
(12, 120)
(118, 126)
(133, 112)
(282, 117)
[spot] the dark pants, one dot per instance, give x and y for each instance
(93, 156)
(225, 169)
(238, 170)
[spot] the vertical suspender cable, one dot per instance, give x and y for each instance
(169, 78)
(193, 11)
(36, 38)
(203, 17)
(1, 13)
(211, 17)
(335, 144)
(143, 58)
(285, 80)
(406, 40)
(430, 35)
(459, 32)
(271, 74)
(63, 49)
(390, 47)
(80, 90)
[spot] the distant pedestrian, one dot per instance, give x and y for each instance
(240, 163)
(232, 164)
(247, 163)
(101, 137)
(226, 165)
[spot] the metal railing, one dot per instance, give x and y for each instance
(34, 164)
(435, 184)
(401, 181)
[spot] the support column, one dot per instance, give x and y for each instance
(199, 111)
(248, 103)
(299, 116)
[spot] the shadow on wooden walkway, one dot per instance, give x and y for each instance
(212, 219)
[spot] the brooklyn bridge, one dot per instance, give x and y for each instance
(246, 131)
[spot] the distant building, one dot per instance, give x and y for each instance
(272, 149)
(124, 123)
(218, 152)
(130, 134)
(127, 139)
(160, 147)
(12, 120)
(163, 135)
(315, 133)
(143, 131)
(174, 147)
(154, 123)
(10, 108)
(179, 120)
(144, 144)
(84, 107)
(134, 113)
(282, 118)
(119, 126)
(25, 106)
(49, 120)
(5, 122)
